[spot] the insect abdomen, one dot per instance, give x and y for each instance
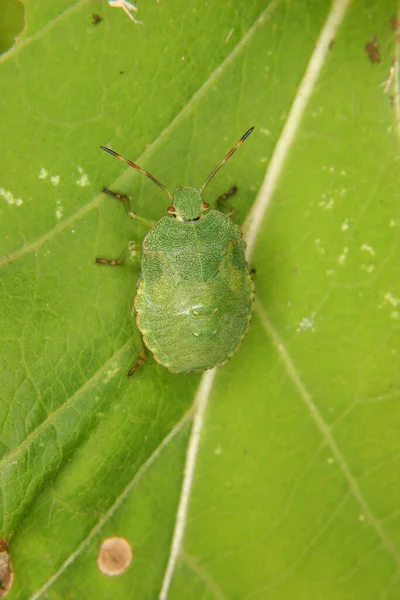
(198, 331)
(194, 299)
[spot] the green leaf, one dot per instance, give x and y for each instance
(274, 476)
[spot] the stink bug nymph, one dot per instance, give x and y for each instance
(194, 295)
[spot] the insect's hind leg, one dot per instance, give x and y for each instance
(142, 352)
(222, 201)
(126, 201)
(138, 364)
(129, 250)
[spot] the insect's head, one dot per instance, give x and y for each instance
(188, 205)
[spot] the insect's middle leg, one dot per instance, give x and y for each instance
(130, 250)
(222, 201)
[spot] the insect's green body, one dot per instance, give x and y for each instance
(194, 296)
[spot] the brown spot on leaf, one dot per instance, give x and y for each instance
(372, 49)
(115, 556)
(6, 569)
(96, 19)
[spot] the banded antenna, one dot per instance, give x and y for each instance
(135, 166)
(223, 161)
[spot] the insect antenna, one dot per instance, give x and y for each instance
(135, 166)
(223, 161)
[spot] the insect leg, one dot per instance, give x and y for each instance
(222, 200)
(126, 201)
(137, 364)
(129, 250)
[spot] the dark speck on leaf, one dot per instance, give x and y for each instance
(372, 49)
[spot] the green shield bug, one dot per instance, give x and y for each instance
(195, 293)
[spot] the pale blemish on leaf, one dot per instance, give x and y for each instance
(369, 249)
(83, 180)
(43, 173)
(368, 268)
(55, 180)
(392, 300)
(345, 225)
(9, 197)
(306, 324)
(114, 370)
(318, 246)
(327, 204)
(342, 258)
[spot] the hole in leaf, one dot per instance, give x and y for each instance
(12, 23)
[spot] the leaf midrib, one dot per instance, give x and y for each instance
(71, 220)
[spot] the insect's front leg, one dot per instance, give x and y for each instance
(126, 201)
(222, 201)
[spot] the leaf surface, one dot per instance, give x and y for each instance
(277, 477)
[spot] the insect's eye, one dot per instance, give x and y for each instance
(205, 205)
(171, 209)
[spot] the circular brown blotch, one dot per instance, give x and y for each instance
(115, 556)
(6, 570)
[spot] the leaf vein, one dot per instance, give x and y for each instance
(251, 230)
(15, 50)
(203, 575)
(81, 212)
(325, 432)
(135, 480)
(52, 417)
(254, 220)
